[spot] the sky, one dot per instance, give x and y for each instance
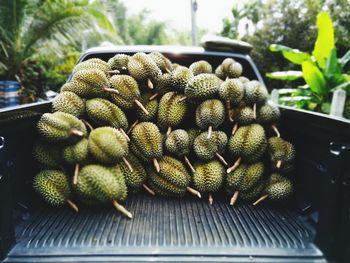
(178, 13)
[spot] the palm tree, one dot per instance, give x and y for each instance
(26, 26)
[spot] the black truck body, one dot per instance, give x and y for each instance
(314, 226)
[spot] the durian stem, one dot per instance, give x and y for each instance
(156, 165)
(210, 131)
(278, 135)
(124, 134)
(228, 110)
(76, 173)
(167, 70)
(87, 124)
(149, 84)
(227, 78)
(254, 111)
(194, 192)
(182, 99)
(110, 90)
(149, 190)
(168, 131)
(221, 158)
(76, 132)
(121, 209)
(128, 164)
(73, 206)
(124, 68)
(210, 199)
(260, 199)
(155, 95)
(234, 198)
(234, 128)
(133, 126)
(234, 166)
(113, 71)
(187, 161)
(139, 104)
(279, 163)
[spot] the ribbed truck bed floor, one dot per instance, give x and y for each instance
(166, 230)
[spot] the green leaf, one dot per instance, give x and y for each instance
(313, 77)
(326, 107)
(345, 59)
(102, 20)
(286, 91)
(325, 39)
(344, 86)
(285, 75)
(293, 55)
(333, 67)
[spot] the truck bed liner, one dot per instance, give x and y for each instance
(166, 229)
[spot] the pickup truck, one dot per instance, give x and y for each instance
(314, 226)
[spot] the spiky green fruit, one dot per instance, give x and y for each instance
(105, 113)
(68, 86)
(53, 186)
(143, 68)
(100, 185)
(278, 188)
(146, 141)
(171, 110)
(202, 87)
(128, 89)
(208, 177)
(47, 155)
(255, 93)
(177, 143)
(162, 62)
(60, 126)
(253, 193)
(164, 84)
(134, 179)
(249, 142)
(232, 90)
(268, 114)
(172, 180)
(69, 102)
(282, 154)
(200, 67)
(243, 79)
(150, 105)
(108, 145)
(229, 68)
(89, 83)
(92, 63)
(243, 115)
(180, 76)
(119, 62)
(210, 113)
(192, 135)
(76, 153)
(206, 149)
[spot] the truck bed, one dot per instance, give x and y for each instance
(166, 229)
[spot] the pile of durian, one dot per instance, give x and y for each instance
(141, 123)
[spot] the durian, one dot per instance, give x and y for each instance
(282, 154)
(268, 115)
(119, 62)
(162, 62)
(255, 94)
(46, 154)
(95, 63)
(229, 68)
(180, 76)
(231, 91)
(69, 102)
(200, 67)
(202, 87)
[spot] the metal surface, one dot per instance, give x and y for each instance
(166, 227)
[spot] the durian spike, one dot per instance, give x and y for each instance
(121, 209)
(109, 90)
(133, 126)
(148, 190)
(76, 132)
(87, 124)
(155, 95)
(228, 110)
(113, 71)
(167, 70)
(124, 134)
(149, 84)
(210, 199)
(156, 165)
(187, 161)
(234, 128)
(139, 104)
(76, 172)
(221, 158)
(279, 163)
(124, 68)
(278, 135)
(260, 199)
(254, 111)
(234, 166)
(73, 206)
(182, 99)
(210, 131)
(168, 131)
(227, 78)
(128, 164)
(234, 198)
(194, 192)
